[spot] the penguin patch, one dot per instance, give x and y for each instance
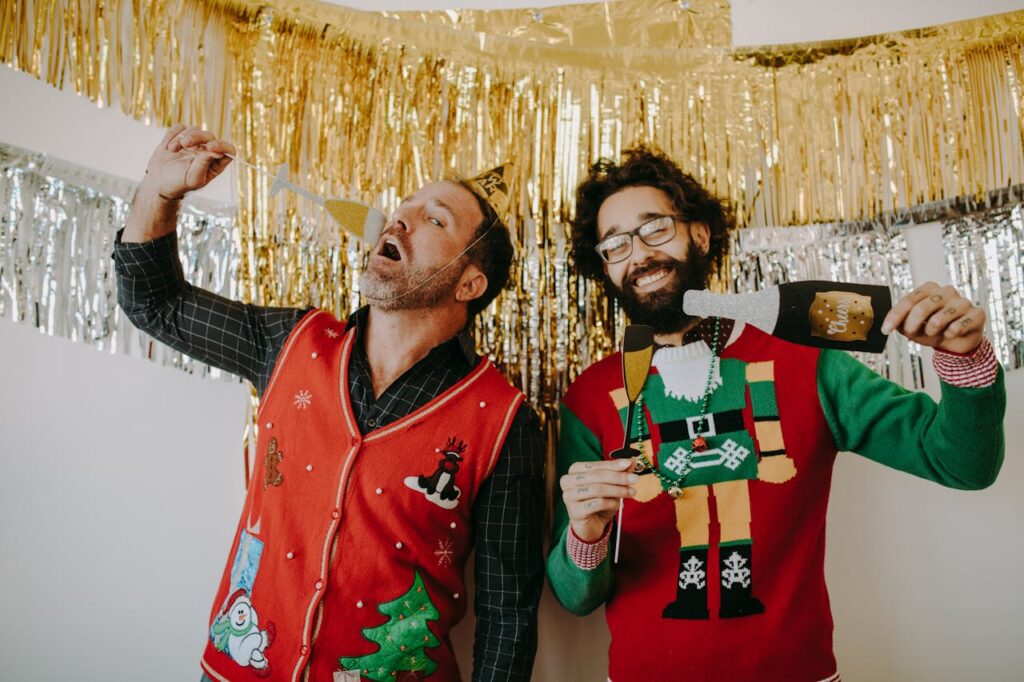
(439, 487)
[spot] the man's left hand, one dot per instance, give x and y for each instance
(939, 317)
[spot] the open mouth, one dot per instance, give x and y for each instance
(390, 251)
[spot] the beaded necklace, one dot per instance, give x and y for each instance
(674, 486)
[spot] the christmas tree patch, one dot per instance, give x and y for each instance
(439, 487)
(402, 640)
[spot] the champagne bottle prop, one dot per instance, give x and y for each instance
(637, 353)
(812, 313)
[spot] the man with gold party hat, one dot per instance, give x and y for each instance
(724, 487)
(385, 450)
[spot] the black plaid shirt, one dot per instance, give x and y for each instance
(245, 339)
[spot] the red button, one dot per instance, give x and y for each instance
(335, 514)
(319, 584)
(304, 650)
(355, 441)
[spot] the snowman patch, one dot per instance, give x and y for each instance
(236, 632)
(439, 487)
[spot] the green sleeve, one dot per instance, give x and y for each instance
(958, 442)
(578, 590)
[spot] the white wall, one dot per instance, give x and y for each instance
(121, 481)
(926, 581)
(120, 489)
(768, 22)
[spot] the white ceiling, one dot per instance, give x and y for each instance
(765, 22)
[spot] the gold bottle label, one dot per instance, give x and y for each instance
(841, 316)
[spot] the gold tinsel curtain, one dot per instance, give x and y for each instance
(370, 105)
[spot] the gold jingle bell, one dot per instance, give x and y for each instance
(640, 465)
(675, 492)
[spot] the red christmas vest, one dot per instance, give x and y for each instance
(350, 550)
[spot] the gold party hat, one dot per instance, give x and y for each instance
(492, 187)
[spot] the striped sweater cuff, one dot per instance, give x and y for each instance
(587, 555)
(977, 369)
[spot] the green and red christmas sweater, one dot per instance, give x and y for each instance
(725, 581)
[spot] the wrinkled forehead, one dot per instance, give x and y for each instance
(452, 197)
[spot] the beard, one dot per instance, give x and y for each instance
(399, 291)
(663, 309)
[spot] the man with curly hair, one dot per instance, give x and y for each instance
(721, 575)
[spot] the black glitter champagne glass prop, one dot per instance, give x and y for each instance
(812, 313)
(637, 352)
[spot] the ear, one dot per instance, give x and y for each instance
(472, 284)
(701, 236)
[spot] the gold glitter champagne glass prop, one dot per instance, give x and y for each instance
(367, 223)
(363, 222)
(637, 352)
(812, 313)
(359, 220)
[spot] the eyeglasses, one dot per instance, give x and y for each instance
(654, 232)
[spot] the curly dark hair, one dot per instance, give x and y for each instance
(493, 254)
(646, 166)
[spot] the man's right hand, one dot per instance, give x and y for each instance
(187, 159)
(592, 491)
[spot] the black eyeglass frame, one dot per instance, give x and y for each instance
(636, 232)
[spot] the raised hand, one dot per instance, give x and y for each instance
(937, 316)
(591, 492)
(187, 159)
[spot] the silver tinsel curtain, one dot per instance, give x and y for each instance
(58, 223)
(57, 230)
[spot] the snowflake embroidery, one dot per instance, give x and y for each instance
(730, 455)
(693, 574)
(679, 462)
(331, 333)
(444, 552)
(303, 399)
(737, 573)
(733, 454)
